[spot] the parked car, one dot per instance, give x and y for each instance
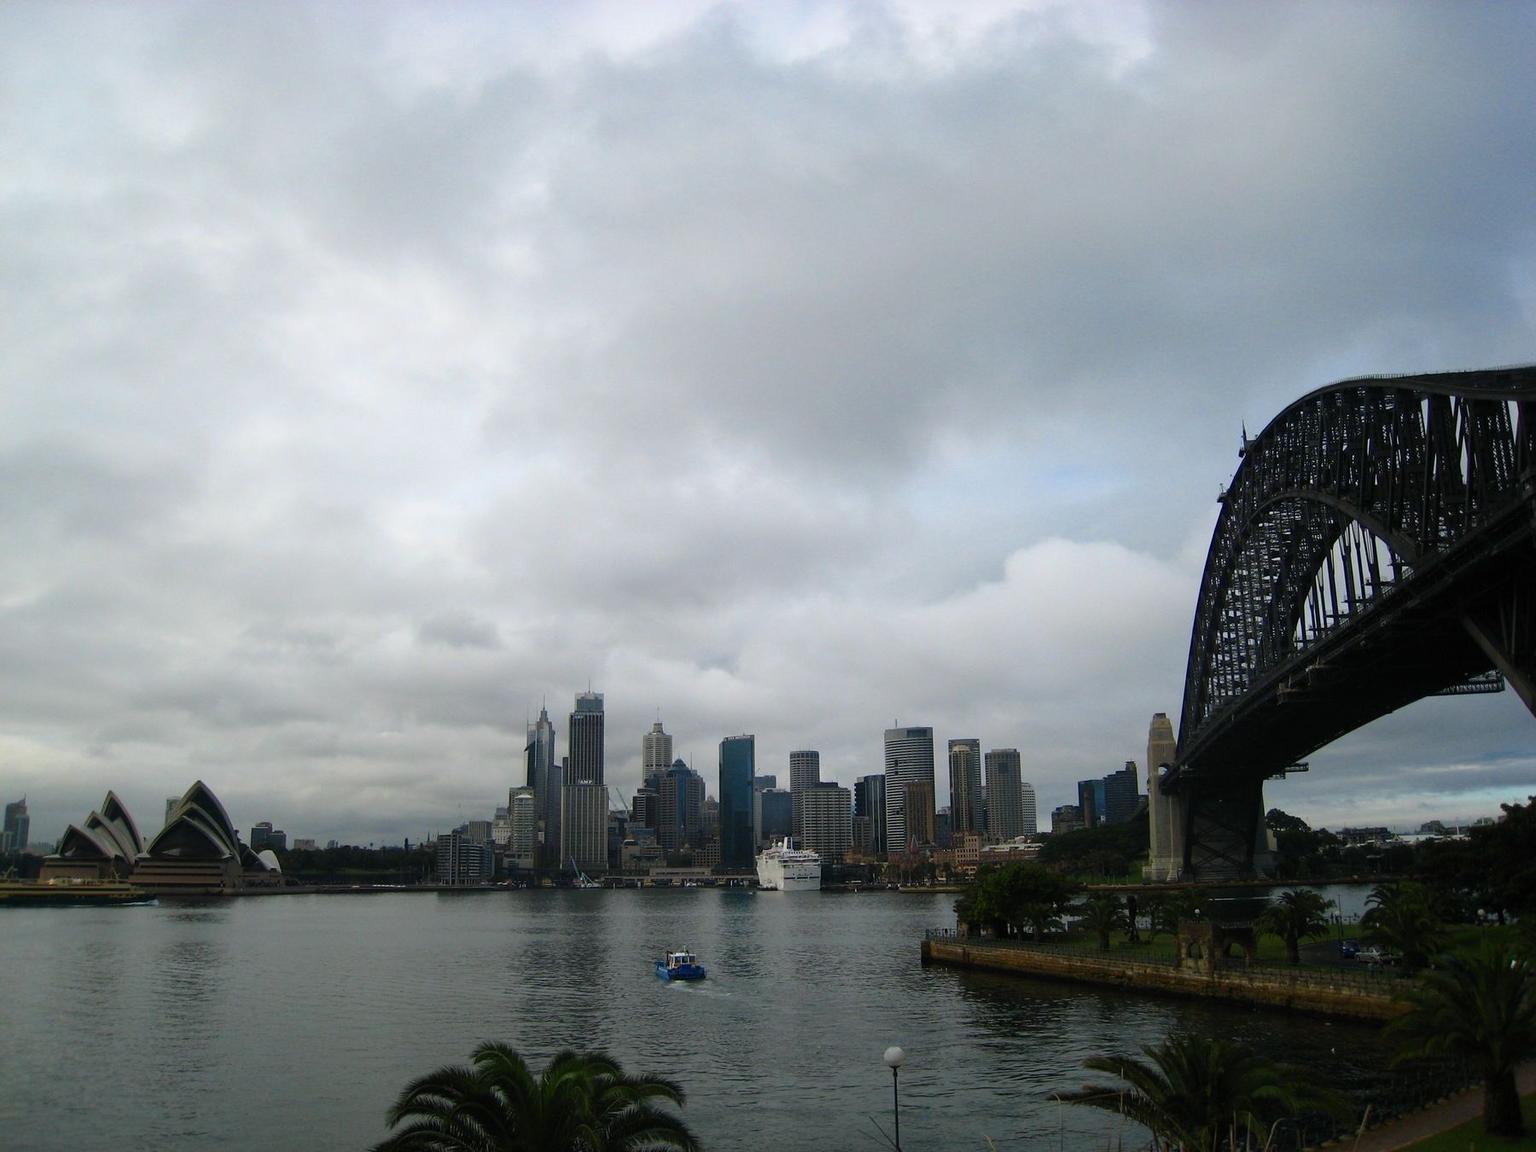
(1349, 949)
(1374, 955)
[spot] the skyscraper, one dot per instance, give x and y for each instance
(1030, 824)
(523, 835)
(965, 787)
(869, 803)
(1121, 794)
(1005, 801)
(804, 772)
(655, 752)
(737, 762)
(680, 820)
(908, 787)
(826, 817)
(17, 827)
(587, 739)
(544, 777)
(584, 826)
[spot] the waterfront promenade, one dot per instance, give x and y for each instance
(1360, 994)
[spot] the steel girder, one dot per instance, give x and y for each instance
(1378, 530)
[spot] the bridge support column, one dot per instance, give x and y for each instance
(1222, 829)
(1505, 630)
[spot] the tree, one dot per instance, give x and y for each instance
(1102, 913)
(1199, 1094)
(1294, 915)
(581, 1102)
(1479, 1004)
(1402, 918)
(1018, 895)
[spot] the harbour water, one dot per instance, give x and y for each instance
(293, 1021)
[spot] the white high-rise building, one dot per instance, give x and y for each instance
(523, 822)
(908, 787)
(1031, 823)
(655, 752)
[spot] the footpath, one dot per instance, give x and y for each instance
(1439, 1117)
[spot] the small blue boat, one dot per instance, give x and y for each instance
(680, 965)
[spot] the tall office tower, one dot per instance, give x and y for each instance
(1030, 824)
(523, 819)
(1005, 800)
(584, 827)
(1090, 802)
(737, 758)
(777, 809)
(544, 777)
(965, 787)
(645, 808)
(480, 831)
(1121, 794)
(908, 787)
(587, 740)
(1163, 818)
(655, 752)
(804, 772)
(17, 827)
(826, 821)
(869, 802)
(922, 817)
(680, 808)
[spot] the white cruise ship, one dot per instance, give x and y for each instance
(787, 869)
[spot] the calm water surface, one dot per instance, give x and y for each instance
(291, 1022)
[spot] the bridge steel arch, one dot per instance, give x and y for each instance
(1376, 545)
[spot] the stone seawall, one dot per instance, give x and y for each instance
(1308, 991)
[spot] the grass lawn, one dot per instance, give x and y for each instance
(1469, 1137)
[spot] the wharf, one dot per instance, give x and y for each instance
(1359, 995)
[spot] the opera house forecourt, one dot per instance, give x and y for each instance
(198, 850)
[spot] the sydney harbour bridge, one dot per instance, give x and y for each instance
(1376, 545)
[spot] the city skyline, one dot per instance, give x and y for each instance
(793, 369)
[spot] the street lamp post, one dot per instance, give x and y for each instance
(894, 1057)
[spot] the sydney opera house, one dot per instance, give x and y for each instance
(197, 851)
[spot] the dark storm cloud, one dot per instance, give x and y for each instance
(374, 374)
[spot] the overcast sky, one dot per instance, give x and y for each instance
(373, 372)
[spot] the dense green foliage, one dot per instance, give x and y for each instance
(1016, 897)
(1481, 1004)
(1102, 913)
(1407, 921)
(1108, 852)
(349, 864)
(1198, 1094)
(581, 1102)
(1295, 915)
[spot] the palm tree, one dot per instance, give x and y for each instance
(1402, 918)
(1199, 1094)
(1293, 916)
(581, 1102)
(1101, 914)
(1480, 1004)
